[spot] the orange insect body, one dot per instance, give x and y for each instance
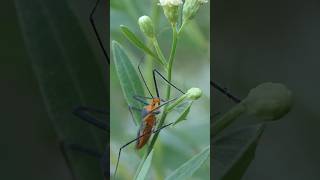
(148, 122)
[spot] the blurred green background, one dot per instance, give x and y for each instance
(278, 41)
(191, 69)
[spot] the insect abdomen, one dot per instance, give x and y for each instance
(146, 128)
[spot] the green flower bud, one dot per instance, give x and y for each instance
(194, 93)
(269, 101)
(171, 9)
(191, 7)
(146, 26)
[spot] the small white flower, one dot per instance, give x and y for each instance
(171, 9)
(170, 2)
(191, 7)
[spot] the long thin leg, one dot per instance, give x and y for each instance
(166, 102)
(82, 149)
(96, 31)
(133, 108)
(144, 81)
(63, 150)
(141, 99)
(82, 113)
(125, 145)
(225, 92)
(155, 71)
(87, 151)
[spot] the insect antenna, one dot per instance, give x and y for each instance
(155, 71)
(144, 81)
(92, 22)
(225, 92)
(84, 113)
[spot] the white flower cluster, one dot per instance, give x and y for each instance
(170, 2)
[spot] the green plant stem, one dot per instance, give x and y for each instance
(181, 27)
(170, 63)
(164, 113)
(228, 118)
(176, 103)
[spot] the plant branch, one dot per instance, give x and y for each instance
(227, 119)
(164, 113)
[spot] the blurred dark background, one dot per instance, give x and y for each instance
(252, 42)
(29, 146)
(278, 41)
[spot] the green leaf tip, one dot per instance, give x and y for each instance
(240, 146)
(269, 101)
(128, 77)
(139, 43)
(145, 167)
(184, 114)
(187, 169)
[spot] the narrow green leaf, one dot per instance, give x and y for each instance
(145, 167)
(233, 152)
(128, 77)
(137, 42)
(187, 169)
(184, 114)
(68, 76)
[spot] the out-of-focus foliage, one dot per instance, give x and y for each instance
(191, 69)
(66, 71)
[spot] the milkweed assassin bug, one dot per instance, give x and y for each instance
(148, 113)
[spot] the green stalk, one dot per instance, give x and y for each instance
(168, 92)
(182, 26)
(170, 63)
(227, 119)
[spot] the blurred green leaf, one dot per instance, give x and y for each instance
(128, 77)
(233, 152)
(118, 5)
(137, 42)
(145, 167)
(187, 169)
(184, 114)
(193, 32)
(68, 76)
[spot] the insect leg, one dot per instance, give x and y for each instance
(85, 150)
(63, 150)
(225, 92)
(155, 71)
(91, 19)
(133, 108)
(82, 149)
(141, 99)
(128, 143)
(82, 113)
